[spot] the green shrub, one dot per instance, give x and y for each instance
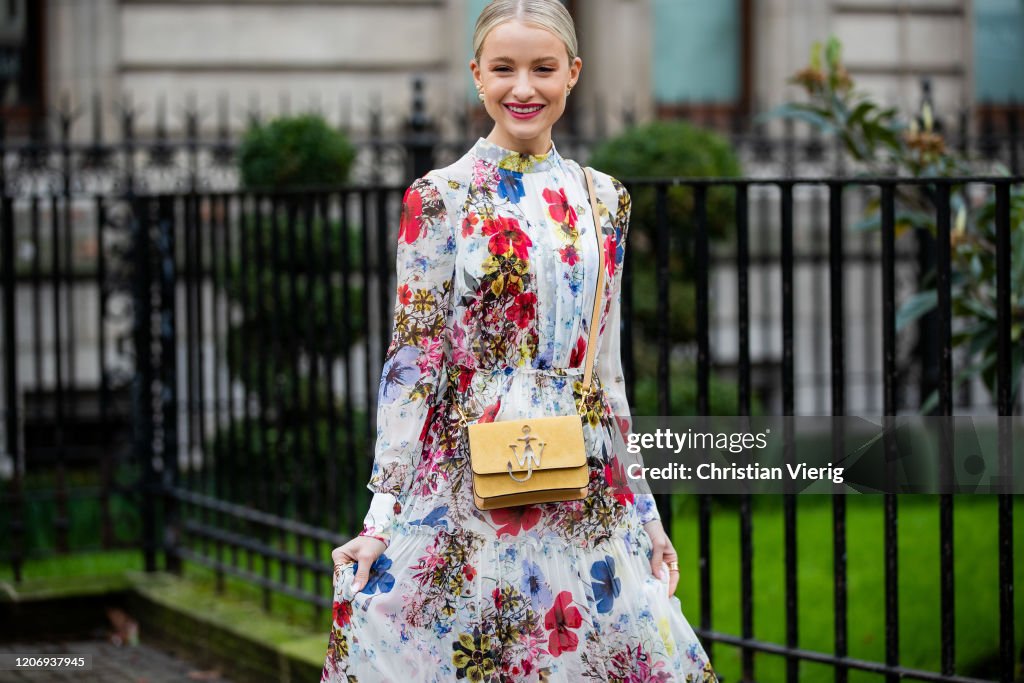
(670, 149)
(284, 328)
(294, 152)
(673, 149)
(287, 462)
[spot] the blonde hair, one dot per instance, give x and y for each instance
(547, 14)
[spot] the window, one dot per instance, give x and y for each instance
(21, 59)
(700, 57)
(998, 51)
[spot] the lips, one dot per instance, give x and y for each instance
(523, 111)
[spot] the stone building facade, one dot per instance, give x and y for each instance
(653, 57)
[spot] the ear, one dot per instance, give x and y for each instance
(474, 68)
(574, 70)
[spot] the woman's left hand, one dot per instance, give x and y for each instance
(662, 551)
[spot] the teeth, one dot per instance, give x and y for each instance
(524, 110)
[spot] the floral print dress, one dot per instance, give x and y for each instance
(496, 265)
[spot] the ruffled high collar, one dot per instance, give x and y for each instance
(516, 161)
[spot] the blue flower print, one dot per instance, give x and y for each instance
(510, 185)
(400, 370)
(435, 518)
(535, 585)
(606, 585)
(380, 580)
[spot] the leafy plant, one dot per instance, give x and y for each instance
(296, 308)
(882, 144)
(294, 152)
(665, 149)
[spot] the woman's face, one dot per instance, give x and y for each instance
(524, 71)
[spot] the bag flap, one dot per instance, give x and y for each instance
(541, 443)
(560, 484)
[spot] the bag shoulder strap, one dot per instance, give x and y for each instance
(598, 289)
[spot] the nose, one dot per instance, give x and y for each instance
(523, 89)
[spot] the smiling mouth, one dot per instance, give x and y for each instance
(524, 110)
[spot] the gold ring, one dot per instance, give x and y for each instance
(673, 566)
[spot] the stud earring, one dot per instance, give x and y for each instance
(568, 89)
(480, 92)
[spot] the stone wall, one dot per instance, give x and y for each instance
(338, 55)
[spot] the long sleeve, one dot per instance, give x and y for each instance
(609, 357)
(414, 363)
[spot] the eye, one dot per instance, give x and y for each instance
(545, 69)
(502, 68)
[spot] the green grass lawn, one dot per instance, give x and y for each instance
(976, 576)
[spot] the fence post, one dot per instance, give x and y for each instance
(169, 387)
(142, 381)
(12, 426)
(420, 141)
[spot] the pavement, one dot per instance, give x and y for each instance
(110, 664)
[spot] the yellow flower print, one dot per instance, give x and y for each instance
(423, 301)
(520, 162)
(474, 658)
(666, 636)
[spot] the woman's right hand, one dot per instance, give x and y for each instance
(362, 550)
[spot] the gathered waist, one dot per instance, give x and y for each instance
(456, 368)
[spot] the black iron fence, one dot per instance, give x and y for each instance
(201, 369)
(157, 148)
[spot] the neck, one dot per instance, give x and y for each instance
(537, 146)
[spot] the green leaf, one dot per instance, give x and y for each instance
(833, 51)
(967, 373)
(816, 55)
(916, 306)
(983, 339)
(861, 110)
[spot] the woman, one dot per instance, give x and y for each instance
(496, 274)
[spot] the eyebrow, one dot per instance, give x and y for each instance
(512, 61)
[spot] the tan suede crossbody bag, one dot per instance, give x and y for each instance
(539, 459)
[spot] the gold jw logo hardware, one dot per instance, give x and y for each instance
(530, 458)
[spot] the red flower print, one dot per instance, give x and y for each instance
(609, 254)
(512, 520)
(506, 234)
(579, 352)
(624, 427)
(426, 422)
(562, 616)
(559, 208)
(522, 309)
(465, 379)
(412, 213)
(569, 255)
(496, 595)
(490, 412)
(468, 572)
(469, 224)
(615, 476)
(405, 294)
(342, 613)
